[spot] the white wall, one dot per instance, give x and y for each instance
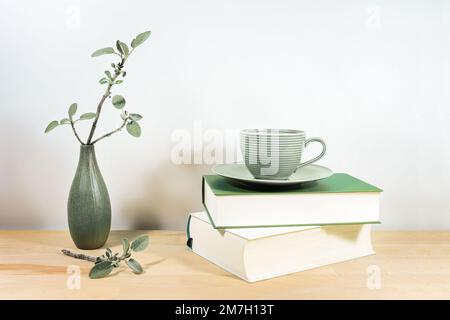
(370, 77)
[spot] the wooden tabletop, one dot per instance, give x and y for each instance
(407, 265)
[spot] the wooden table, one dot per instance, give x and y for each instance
(410, 265)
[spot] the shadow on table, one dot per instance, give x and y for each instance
(167, 194)
(115, 237)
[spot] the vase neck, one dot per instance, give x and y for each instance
(87, 155)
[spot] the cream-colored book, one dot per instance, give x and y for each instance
(255, 254)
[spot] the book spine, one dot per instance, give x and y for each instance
(203, 190)
(188, 233)
(204, 204)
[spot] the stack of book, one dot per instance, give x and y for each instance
(258, 234)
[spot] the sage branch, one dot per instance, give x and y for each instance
(112, 77)
(105, 264)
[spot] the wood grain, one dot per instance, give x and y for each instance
(412, 265)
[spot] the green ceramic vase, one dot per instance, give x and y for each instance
(89, 207)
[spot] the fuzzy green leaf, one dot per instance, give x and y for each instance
(135, 116)
(72, 110)
(108, 74)
(101, 270)
(119, 48)
(125, 245)
(119, 81)
(64, 121)
(122, 47)
(102, 51)
(134, 265)
(52, 125)
(124, 115)
(88, 116)
(134, 129)
(103, 81)
(140, 243)
(125, 49)
(118, 101)
(140, 38)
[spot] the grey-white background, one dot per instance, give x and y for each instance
(370, 77)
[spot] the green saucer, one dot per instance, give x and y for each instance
(239, 173)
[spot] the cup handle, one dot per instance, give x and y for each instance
(324, 149)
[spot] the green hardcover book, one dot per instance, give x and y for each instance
(338, 199)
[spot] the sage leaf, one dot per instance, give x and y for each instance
(135, 116)
(108, 252)
(108, 74)
(103, 81)
(122, 47)
(101, 270)
(140, 243)
(134, 129)
(124, 115)
(140, 38)
(119, 48)
(118, 101)
(125, 49)
(88, 116)
(64, 121)
(134, 265)
(125, 245)
(102, 51)
(72, 110)
(119, 81)
(52, 125)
